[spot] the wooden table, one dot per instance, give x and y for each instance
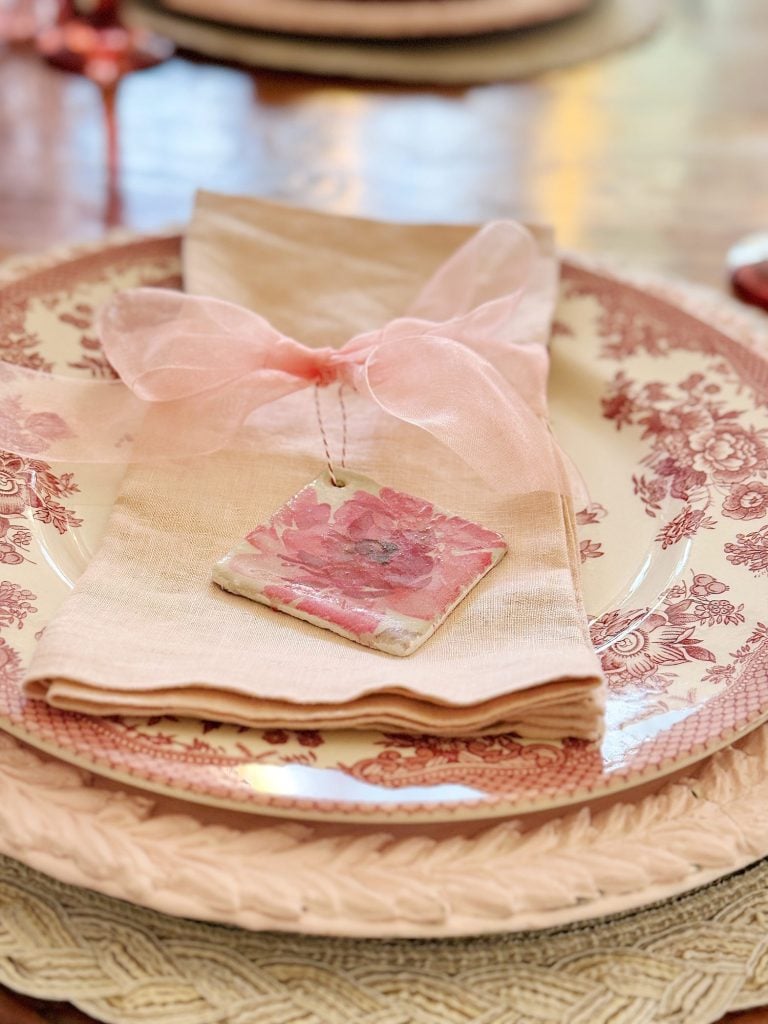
(657, 156)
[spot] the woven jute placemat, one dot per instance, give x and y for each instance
(688, 960)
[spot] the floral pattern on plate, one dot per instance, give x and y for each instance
(666, 419)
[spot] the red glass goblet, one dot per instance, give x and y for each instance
(89, 39)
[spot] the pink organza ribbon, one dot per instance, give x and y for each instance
(192, 369)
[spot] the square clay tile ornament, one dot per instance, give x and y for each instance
(375, 565)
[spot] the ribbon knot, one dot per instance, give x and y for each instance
(192, 369)
(327, 367)
(322, 366)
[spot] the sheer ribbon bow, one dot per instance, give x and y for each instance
(192, 369)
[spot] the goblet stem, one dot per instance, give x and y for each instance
(113, 207)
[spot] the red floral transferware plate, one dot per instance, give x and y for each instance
(666, 418)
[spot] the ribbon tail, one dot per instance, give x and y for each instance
(64, 419)
(463, 401)
(192, 371)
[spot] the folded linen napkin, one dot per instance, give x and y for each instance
(145, 631)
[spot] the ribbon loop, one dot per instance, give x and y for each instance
(466, 404)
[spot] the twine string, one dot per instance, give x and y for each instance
(343, 405)
(326, 445)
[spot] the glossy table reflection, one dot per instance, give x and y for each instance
(657, 156)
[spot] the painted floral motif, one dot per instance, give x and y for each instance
(202, 742)
(493, 763)
(685, 524)
(703, 586)
(747, 501)
(92, 360)
(14, 541)
(632, 322)
(33, 432)
(30, 487)
(726, 451)
(590, 549)
(755, 643)
(304, 737)
(19, 345)
(588, 516)
(593, 513)
(647, 642)
(374, 562)
(81, 316)
(10, 662)
(750, 550)
(640, 646)
(15, 604)
(701, 451)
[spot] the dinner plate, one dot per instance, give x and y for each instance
(665, 416)
(599, 28)
(379, 19)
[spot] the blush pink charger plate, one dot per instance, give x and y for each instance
(665, 416)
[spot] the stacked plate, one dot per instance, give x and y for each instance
(424, 41)
(384, 834)
(379, 19)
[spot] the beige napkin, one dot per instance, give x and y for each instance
(146, 631)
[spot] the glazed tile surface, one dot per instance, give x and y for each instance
(370, 563)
